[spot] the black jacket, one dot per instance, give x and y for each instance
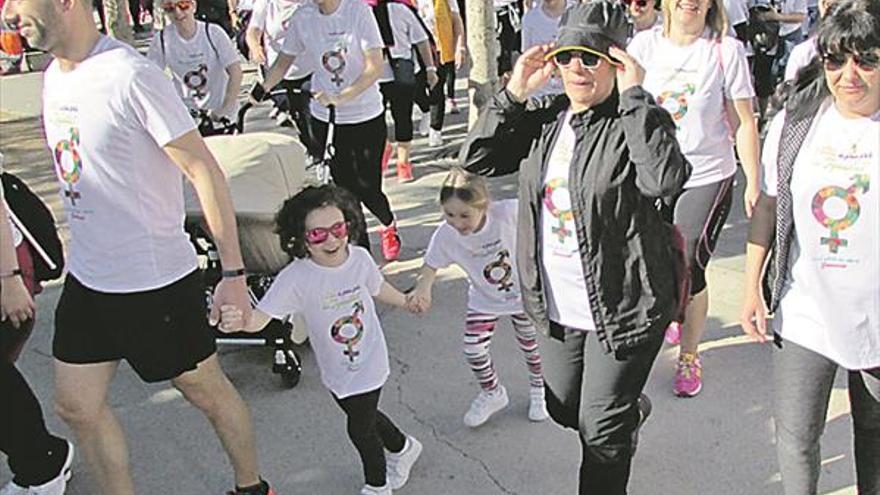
(626, 155)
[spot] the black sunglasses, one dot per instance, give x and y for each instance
(588, 60)
(835, 61)
(638, 3)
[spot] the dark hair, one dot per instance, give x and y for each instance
(290, 222)
(850, 26)
(468, 188)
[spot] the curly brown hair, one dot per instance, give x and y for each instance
(290, 221)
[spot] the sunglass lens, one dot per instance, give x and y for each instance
(563, 58)
(589, 59)
(339, 230)
(317, 236)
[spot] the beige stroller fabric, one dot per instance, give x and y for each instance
(263, 169)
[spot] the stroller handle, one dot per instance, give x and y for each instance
(242, 112)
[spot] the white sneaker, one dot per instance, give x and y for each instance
(537, 405)
(13, 489)
(435, 138)
(376, 490)
(55, 486)
(485, 405)
(425, 124)
(398, 465)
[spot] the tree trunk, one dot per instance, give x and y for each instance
(483, 48)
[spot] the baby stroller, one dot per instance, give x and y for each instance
(263, 170)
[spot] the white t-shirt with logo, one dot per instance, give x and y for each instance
(106, 122)
(273, 18)
(692, 83)
(800, 57)
(197, 67)
(537, 29)
(831, 302)
(407, 31)
(568, 302)
(426, 11)
(344, 329)
(334, 45)
(487, 256)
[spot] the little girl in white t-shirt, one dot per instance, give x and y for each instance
(480, 237)
(332, 284)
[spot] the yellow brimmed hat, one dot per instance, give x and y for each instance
(593, 27)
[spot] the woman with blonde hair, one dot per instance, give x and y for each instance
(701, 76)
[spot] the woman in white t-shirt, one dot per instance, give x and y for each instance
(701, 77)
(821, 204)
(269, 22)
(480, 236)
(340, 40)
(333, 284)
(204, 64)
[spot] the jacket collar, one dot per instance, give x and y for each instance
(608, 108)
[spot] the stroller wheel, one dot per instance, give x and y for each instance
(290, 376)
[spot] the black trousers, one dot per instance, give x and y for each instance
(436, 98)
(508, 20)
(371, 432)
(34, 455)
(400, 99)
(596, 394)
(356, 166)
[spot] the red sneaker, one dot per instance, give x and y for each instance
(390, 242)
(404, 172)
(386, 155)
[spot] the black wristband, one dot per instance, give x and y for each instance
(14, 273)
(258, 92)
(233, 273)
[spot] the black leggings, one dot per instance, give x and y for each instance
(371, 431)
(400, 99)
(435, 99)
(35, 456)
(356, 166)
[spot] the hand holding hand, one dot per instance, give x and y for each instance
(629, 73)
(232, 294)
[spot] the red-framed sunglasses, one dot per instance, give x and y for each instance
(181, 5)
(321, 234)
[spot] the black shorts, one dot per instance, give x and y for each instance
(162, 333)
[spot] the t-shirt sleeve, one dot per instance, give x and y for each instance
(282, 299)
(154, 53)
(416, 33)
(374, 276)
(368, 28)
(637, 47)
(293, 43)
(156, 105)
(226, 51)
(510, 210)
(737, 76)
(770, 154)
(436, 256)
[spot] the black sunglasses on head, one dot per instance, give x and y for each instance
(836, 61)
(588, 60)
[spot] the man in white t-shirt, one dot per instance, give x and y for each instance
(121, 143)
(790, 15)
(203, 63)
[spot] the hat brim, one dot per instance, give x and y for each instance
(579, 48)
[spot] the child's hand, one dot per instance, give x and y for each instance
(419, 301)
(412, 305)
(232, 318)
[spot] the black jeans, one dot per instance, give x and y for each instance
(371, 432)
(356, 166)
(35, 456)
(597, 394)
(400, 99)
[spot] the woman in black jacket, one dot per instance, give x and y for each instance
(596, 261)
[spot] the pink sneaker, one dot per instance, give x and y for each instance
(673, 333)
(688, 375)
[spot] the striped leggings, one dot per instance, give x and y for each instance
(479, 328)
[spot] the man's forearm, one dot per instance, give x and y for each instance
(233, 86)
(216, 202)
